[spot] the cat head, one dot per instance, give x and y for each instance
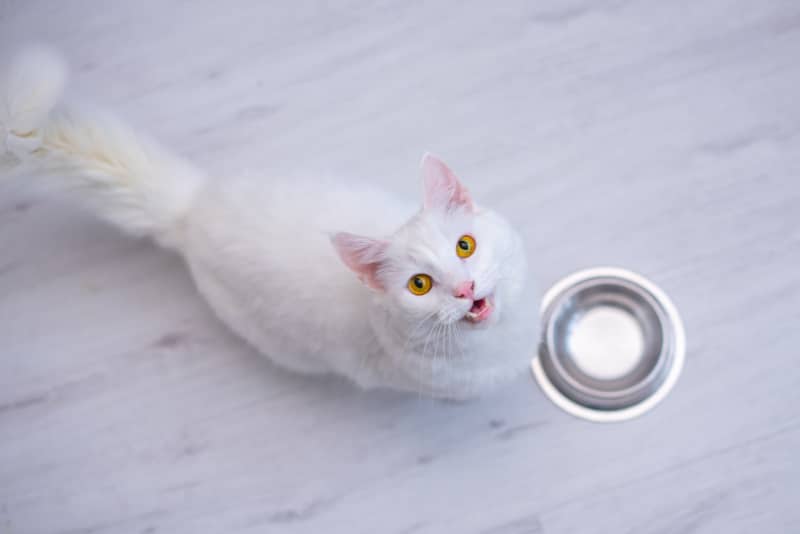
(452, 262)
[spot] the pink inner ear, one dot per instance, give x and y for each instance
(362, 255)
(442, 187)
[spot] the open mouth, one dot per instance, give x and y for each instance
(480, 311)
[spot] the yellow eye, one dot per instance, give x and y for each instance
(419, 284)
(465, 246)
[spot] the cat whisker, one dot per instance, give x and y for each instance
(432, 337)
(421, 323)
(452, 343)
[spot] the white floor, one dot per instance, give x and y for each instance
(663, 137)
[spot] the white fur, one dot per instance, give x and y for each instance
(129, 179)
(261, 252)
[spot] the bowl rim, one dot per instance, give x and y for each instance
(678, 348)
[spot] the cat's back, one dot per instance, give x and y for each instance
(260, 252)
(294, 213)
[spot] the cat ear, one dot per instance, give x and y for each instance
(362, 255)
(443, 190)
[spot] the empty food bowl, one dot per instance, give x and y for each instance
(612, 345)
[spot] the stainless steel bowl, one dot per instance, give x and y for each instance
(612, 344)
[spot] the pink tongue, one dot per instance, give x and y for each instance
(477, 306)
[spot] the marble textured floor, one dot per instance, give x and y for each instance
(658, 136)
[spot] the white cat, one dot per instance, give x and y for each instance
(434, 300)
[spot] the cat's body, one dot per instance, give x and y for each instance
(266, 255)
(297, 302)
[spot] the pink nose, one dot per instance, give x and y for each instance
(465, 290)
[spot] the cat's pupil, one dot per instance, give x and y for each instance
(463, 245)
(419, 283)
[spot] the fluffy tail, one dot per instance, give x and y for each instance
(127, 178)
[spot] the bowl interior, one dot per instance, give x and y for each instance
(606, 345)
